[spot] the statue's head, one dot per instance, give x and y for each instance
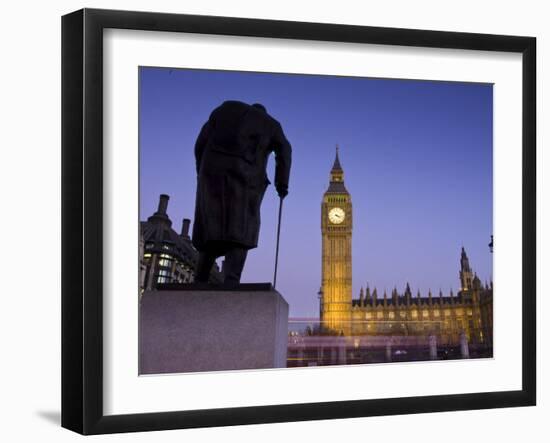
(260, 107)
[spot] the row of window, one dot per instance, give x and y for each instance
(419, 327)
(151, 245)
(414, 313)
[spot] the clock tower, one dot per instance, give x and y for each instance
(336, 227)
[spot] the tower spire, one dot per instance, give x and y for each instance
(337, 175)
(465, 272)
(337, 167)
(464, 261)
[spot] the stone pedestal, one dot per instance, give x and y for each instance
(210, 330)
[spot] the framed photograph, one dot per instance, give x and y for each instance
(269, 221)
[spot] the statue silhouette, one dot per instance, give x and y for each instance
(231, 155)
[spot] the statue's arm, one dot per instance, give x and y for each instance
(283, 159)
(201, 143)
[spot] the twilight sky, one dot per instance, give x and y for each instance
(417, 158)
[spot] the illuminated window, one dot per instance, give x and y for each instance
(392, 314)
(447, 312)
(469, 312)
(165, 262)
(425, 313)
(402, 314)
(436, 313)
(414, 314)
(368, 315)
(379, 314)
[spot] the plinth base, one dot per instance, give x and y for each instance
(209, 330)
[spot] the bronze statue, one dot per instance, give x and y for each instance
(231, 155)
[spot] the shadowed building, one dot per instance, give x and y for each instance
(168, 256)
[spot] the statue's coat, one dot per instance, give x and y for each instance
(231, 154)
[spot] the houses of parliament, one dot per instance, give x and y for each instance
(448, 318)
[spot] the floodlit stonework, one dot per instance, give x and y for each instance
(398, 314)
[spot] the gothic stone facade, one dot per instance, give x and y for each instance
(445, 317)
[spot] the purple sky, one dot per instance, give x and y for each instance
(417, 157)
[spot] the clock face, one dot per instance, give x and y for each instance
(336, 215)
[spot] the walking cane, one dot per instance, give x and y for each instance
(278, 235)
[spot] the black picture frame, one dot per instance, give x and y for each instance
(82, 218)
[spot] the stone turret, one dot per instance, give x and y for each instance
(408, 294)
(465, 272)
(367, 295)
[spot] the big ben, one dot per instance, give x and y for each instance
(336, 228)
